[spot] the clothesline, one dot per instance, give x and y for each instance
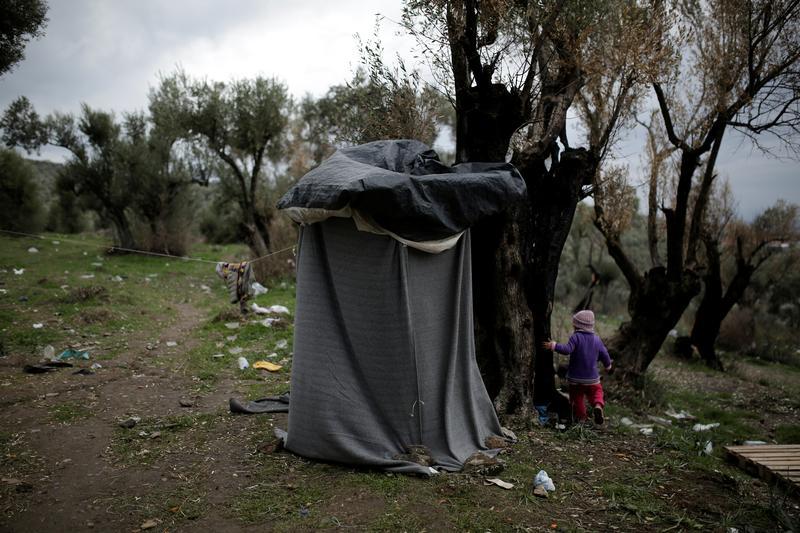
(142, 252)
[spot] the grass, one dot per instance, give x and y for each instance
(69, 412)
(611, 477)
(152, 439)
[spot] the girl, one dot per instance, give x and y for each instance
(584, 348)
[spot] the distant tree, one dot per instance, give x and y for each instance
(20, 21)
(242, 127)
(734, 251)
(120, 171)
(20, 205)
(736, 68)
(379, 102)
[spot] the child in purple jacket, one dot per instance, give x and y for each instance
(584, 349)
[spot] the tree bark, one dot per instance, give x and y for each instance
(655, 305)
(122, 229)
(715, 305)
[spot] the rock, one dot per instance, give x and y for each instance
(128, 424)
(540, 491)
(416, 453)
(271, 446)
(494, 442)
(482, 464)
(186, 403)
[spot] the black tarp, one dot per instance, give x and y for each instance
(405, 189)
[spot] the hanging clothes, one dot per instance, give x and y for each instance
(239, 279)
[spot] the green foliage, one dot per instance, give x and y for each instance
(20, 21)
(238, 129)
(125, 172)
(20, 205)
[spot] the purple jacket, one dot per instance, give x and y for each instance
(584, 350)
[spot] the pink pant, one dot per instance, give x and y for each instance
(579, 394)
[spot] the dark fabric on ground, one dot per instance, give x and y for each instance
(405, 189)
(270, 404)
(384, 355)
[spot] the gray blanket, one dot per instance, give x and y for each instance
(384, 355)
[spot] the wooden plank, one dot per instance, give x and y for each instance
(766, 446)
(769, 462)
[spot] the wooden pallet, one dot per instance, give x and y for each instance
(772, 463)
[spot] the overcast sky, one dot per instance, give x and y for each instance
(109, 53)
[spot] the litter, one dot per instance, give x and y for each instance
(130, 422)
(3, 291)
(646, 430)
(543, 480)
(38, 325)
(218, 355)
(281, 344)
(69, 353)
(705, 427)
(56, 242)
(507, 433)
(118, 279)
(267, 322)
(257, 309)
(205, 288)
(231, 338)
(540, 491)
(625, 421)
(258, 289)
(708, 448)
(279, 309)
(273, 355)
(236, 350)
(242, 362)
(49, 353)
(18, 271)
(232, 325)
(682, 415)
(43, 368)
(499, 482)
(97, 264)
(149, 524)
(87, 276)
(541, 410)
(659, 420)
(95, 366)
(171, 343)
(33, 250)
(83, 372)
(266, 365)
(753, 443)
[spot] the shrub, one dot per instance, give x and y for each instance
(20, 204)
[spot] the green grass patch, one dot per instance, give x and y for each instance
(788, 434)
(69, 412)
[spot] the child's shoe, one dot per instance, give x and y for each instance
(599, 418)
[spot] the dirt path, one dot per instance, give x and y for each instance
(67, 429)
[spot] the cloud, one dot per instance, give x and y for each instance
(108, 54)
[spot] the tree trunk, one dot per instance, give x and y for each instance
(655, 306)
(515, 257)
(122, 230)
(708, 319)
(705, 331)
(257, 232)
